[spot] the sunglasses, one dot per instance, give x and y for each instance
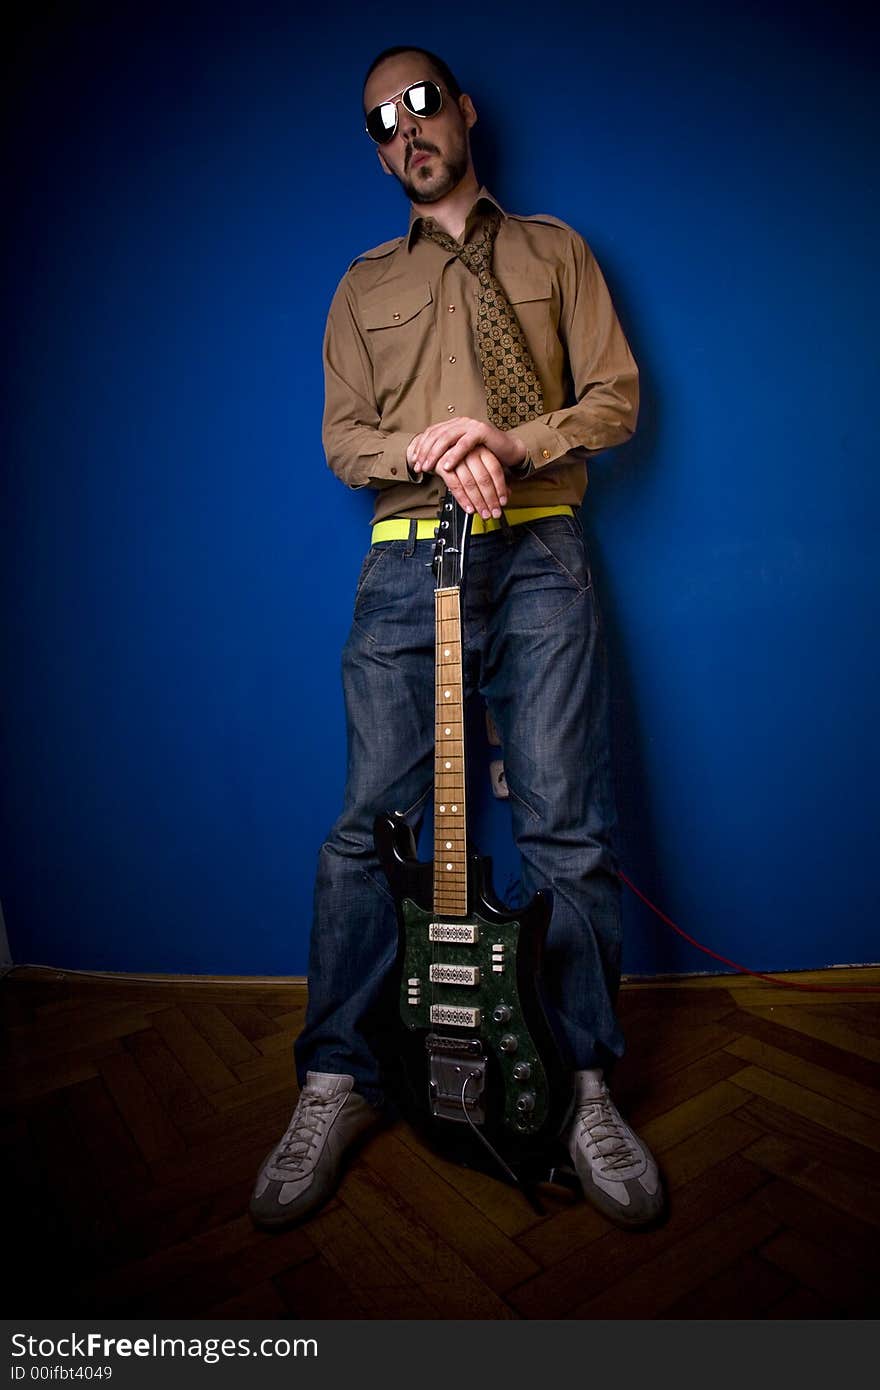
(422, 99)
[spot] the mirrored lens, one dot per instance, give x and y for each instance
(423, 99)
(382, 122)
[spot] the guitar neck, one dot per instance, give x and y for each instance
(450, 834)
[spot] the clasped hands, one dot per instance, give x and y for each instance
(471, 457)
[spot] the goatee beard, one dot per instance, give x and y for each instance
(454, 171)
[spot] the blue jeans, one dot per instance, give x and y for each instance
(534, 651)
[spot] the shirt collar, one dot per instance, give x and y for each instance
(483, 197)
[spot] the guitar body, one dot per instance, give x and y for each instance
(476, 1044)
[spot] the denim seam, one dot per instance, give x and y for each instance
(374, 883)
(522, 801)
(358, 594)
(582, 589)
(558, 614)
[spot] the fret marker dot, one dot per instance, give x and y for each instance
(449, 866)
(455, 808)
(442, 808)
(446, 653)
(447, 693)
(449, 844)
(449, 764)
(447, 731)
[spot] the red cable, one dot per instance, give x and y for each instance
(744, 969)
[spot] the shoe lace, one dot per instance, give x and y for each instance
(609, 1136)
(306, 1128)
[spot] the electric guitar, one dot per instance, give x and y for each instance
(481, 1071)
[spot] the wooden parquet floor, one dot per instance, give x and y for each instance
(136, 1112)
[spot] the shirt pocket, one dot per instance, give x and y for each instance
(531, 295)
(398, 326)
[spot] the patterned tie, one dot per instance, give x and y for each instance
(513, 391)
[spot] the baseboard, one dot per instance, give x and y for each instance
(34, 971)
(867, 974)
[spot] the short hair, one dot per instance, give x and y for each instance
(441, 69)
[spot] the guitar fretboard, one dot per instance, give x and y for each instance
(450, 836)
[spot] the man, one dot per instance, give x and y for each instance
(480, 352)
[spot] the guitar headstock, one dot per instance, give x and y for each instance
(453, 530)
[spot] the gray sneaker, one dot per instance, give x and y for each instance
(617, 1172)
(304, 1168)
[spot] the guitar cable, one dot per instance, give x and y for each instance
(744, 969)
(526, 1188)
(499, 789)
(472, 1076)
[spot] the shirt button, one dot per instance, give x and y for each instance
(452, 308)
(395, 316)
(545, 453)
(452, 359)
(394, 472)
(451, 409)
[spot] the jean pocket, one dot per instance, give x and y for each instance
(372, 559)
(561, 540)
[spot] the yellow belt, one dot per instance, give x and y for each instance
(396, 528)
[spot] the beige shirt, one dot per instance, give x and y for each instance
(400, 355)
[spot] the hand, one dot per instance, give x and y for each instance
(478, 483)
(452, 440)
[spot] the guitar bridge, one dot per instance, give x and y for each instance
(456, 1079)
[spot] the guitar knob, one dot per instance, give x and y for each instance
(526, 1103)
(501, 1013)
(522, 1071)
(508, 1043)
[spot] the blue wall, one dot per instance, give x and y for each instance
(177, 561)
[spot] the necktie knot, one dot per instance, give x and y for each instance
(475, 254)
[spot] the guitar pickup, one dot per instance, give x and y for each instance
(455, 1017)
(461, 933)
(454, 974)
